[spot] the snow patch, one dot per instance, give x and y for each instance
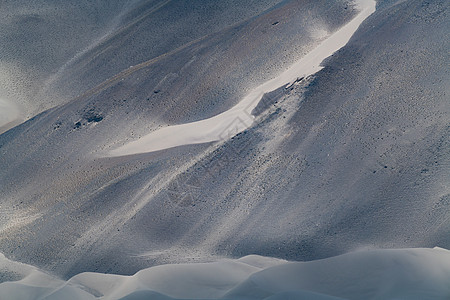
(239, 117)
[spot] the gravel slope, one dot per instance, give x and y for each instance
(355, 157)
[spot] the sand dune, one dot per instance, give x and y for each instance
(413, 274)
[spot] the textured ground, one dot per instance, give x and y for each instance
(355, 157)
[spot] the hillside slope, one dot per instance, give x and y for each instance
(356, 156)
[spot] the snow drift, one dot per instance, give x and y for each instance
(239, 117)
(371, 274)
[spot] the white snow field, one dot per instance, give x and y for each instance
(239, 117)
(409, 274)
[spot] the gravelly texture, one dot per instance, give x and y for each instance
(356, 156)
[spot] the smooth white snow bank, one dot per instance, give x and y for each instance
(9, 113)
(239, 117)
(409, 274)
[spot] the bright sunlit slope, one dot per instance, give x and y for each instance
(38, 38)
(408, 274)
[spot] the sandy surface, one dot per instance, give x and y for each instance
(239, 117)
(9, 115)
